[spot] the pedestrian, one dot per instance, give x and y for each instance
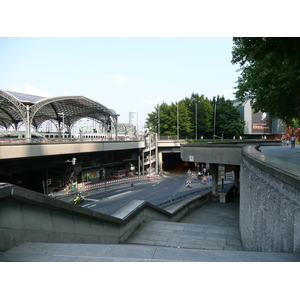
(287, 140)
(293, 140)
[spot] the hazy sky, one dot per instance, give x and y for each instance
(129, 55)
(124, 74)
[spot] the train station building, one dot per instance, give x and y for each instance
(17, 109)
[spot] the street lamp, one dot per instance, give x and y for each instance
(178, 120)
(158, 118)
(215, 119)
(196, 122)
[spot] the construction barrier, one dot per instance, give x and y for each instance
(188, 183)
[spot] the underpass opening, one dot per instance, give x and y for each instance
(173, 163)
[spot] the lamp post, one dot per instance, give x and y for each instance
(158, 117)
(215, 119)
(196, 122)
(178, 120)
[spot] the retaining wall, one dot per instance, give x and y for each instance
(269, 203)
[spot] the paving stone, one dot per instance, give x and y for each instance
(142, 241)
(158, 238)
(166, 244)
(174, 235)
(233, 242)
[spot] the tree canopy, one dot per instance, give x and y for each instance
(270, 75)
(195, 117)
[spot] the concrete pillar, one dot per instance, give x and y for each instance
(28, 125)
(214, 175)
(236, 176)
(159, 162)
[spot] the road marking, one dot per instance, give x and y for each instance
(114, 196)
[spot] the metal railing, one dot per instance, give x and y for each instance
(181, 198)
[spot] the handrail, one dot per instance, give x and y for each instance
(180, 198)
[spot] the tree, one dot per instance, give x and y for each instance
(183, 113)
(201, 114)
(168, 119)
(270, 75)
(228, 118)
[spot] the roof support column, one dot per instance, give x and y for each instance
(116, 127)
(27, 125)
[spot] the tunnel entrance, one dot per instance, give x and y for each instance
(173, 163)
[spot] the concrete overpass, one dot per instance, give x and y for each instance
(220, 153)
(151, 159)
(23, 158)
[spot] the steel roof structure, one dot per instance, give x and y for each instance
(17, 109)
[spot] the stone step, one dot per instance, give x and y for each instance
(186, 235)
(51, 252)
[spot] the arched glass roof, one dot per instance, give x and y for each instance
(69, 109)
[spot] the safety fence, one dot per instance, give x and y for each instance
(89, 186)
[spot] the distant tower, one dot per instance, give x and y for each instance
(133, 119)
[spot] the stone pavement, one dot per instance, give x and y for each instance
(285, 153)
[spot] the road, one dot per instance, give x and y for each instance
(154, 192)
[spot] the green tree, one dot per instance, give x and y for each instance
(270, 75)
(169, 117)
(204, 114)
(227, 117)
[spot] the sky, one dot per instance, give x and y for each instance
(127, 74)
(129, 55)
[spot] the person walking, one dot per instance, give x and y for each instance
(293, 141)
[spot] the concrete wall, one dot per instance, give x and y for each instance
(27, 216)
(269, 203)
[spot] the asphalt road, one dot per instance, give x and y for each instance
(154, 191)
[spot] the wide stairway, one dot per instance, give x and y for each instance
(214, 226)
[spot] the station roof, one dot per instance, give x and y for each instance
(69, 109)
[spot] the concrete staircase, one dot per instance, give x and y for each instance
(187, 235)
(208, 234)
(213, 226)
